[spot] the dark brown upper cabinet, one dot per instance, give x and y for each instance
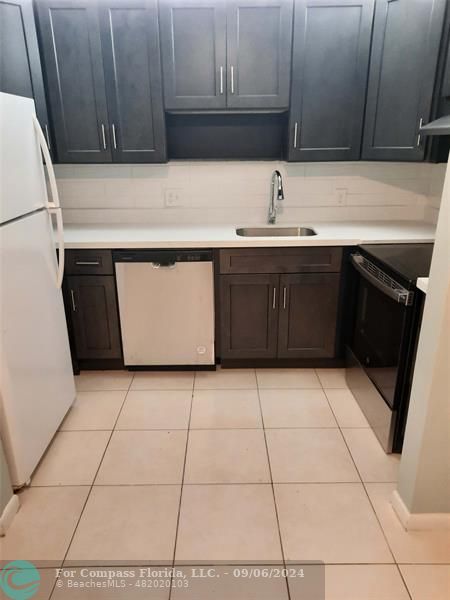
(103, 70)
(405, 49)
(193, 43)
(329, 78)
(226, 55)
(130, 41)
(20, 63)
(259, 38)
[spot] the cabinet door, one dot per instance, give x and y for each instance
(249, 315)
(94, 316)
(259, 37)
(70, 36)
(308, 315)
(20, 64)
(193, 39)
(329, 77)
(405, 49)
(133, 80)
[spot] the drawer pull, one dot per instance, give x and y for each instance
(87, 263)
(284, 297)
(274, 298)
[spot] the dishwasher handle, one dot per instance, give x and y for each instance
(157, 265)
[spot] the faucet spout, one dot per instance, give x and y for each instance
(276, 195)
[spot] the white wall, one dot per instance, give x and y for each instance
(424, 478)
(238, 191)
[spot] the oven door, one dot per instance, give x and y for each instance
(380, 334)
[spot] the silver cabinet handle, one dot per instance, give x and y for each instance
(284, 297)
(232, 78)
(103, 137)
(88, 263)
(114, 136)
(274, 298)
(419, 137)
(295, 134)
(221, 80)
(47, 135)
(74, 306)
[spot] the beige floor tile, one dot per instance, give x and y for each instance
(426, 547)
(332, 378)
(127, 524)
(371, 460)
(163, 380)
(228, 523)
(238, 379)
(91, 381)
(227, 456)
(94, 410)
(357, 582)
(427, 582)
(132, 590)
(156, 410)
(72, 458)
(345, 408)
(296, 408)
(225, 409)
(226, 583)
(42, 529)
(143, 457)
(333, 522)
(287, 378)
(309, 455)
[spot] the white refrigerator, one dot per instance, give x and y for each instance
(36, 380)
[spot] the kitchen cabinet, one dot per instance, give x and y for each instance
(279, 303)
(20, 63)
(405, 49)
(94, 316)
(249, 316)
(308, 314)
(194, 66)
(133, 80)
(241, 60)
(331, 49)
(103, 70)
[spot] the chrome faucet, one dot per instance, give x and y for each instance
(276, 194)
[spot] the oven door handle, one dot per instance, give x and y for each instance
(398, 293)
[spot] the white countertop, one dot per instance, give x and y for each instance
(422, 284)
(224, 236)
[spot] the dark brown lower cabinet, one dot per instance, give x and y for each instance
(308, 314)
(94, 316)
(249, 315)
(279, 316)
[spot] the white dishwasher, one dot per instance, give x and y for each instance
(166, 306)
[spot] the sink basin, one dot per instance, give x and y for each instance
(273, 231)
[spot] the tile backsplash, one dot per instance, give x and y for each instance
(184, 192)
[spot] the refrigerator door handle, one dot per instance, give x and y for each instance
(53, 206)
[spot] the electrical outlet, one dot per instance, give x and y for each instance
(173, 197)
(341, 196)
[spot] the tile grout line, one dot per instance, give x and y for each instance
(360, 476)
(91, 487)
(272, 487)
(177, 526)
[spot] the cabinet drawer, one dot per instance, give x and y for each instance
(88, 262)
(281, 260)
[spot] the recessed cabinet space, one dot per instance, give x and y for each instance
(91, 305)
(104, 81)
(329, 77)
(233, 54)
(20, 63)
(404, 56)
(279, 303)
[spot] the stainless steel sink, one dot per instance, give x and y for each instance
(271, 231)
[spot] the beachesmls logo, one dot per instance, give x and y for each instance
(19, 580)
